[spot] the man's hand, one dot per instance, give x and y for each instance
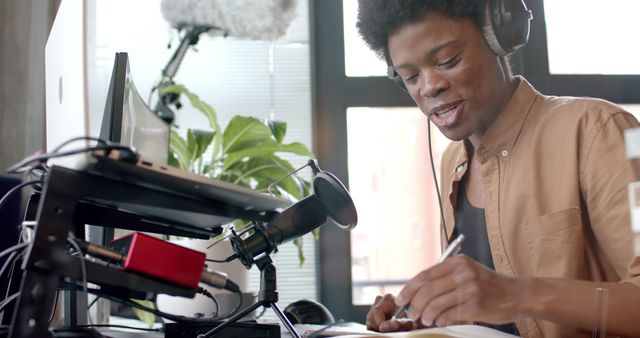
(380, 313)
(458, 290)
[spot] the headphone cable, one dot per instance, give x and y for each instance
(435, 180)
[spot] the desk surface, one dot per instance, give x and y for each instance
(303, 329)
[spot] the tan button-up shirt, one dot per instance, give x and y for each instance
(555, 180)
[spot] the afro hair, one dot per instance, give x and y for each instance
(377, 18)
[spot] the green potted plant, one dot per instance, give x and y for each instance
(246, 152)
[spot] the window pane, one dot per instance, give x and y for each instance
(587, 37)
(633, 109)
(392, 186)
(359, 60)
(634, 188)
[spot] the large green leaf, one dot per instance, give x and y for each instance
(178, 147)
(257, 171)
(147, 317)
(266, 149)
(173, 161)
(265, 171)
(278, 129)
(244, 132)
(197, 142)
(203, 107)
(298, 243)
(292, 185)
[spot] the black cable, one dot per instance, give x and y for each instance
(227, 260)
(118, 326)
(42, 167)
(75, 332)
(8, 262)
(37, 173)
(14, 248)
(44, 157)
(92, 302)
(435, 180)
(128, 302)
(53, 310)
(79, 138)
(8, 300)
(236, 308)
(13, 190)
(153, 89)
(98, 297)
(83, 263)
(208, 294)
(264, 309)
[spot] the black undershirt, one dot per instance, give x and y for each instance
(470, 221)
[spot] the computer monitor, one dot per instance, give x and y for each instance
(66, 90)
(128, 120)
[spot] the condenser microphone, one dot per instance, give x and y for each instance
(243, 19)
(294, 222)
(330, 199)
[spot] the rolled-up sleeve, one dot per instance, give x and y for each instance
(605, 177)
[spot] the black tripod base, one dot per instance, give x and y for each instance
(233, 330)
(267, 297)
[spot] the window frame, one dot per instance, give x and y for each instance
(333, 92)
(535, 68)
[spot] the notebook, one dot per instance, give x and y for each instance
(454, 331)
(334, 330)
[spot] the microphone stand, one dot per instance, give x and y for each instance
(267, 297)
(189, 39)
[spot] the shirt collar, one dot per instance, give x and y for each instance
(503, 132)
(462, 158)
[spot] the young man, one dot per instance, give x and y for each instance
(538, 185)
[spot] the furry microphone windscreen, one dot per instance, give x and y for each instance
(243, 19)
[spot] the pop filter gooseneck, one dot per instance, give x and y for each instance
(329, 199)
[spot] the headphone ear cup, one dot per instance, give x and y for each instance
(391, 73)
(506, 25)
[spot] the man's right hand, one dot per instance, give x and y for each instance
(380, 313)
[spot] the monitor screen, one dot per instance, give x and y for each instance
(128, 120)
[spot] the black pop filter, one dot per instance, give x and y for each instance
(329, 199)
(336, 199)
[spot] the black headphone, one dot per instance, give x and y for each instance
(505, 27)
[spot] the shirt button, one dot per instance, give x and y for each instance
(504, 153)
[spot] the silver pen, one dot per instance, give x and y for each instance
(452, 249)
